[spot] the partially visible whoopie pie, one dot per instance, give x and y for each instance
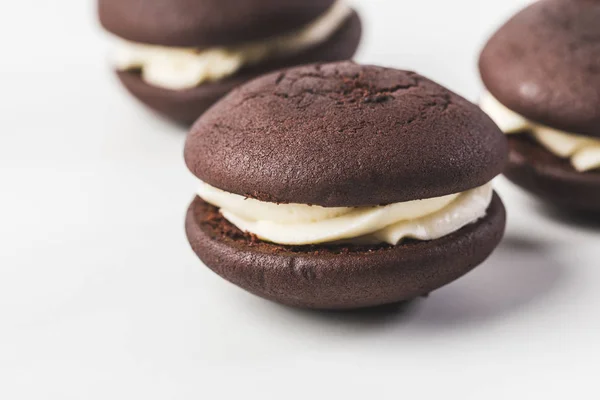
(542, 73)
(180, 56)
(342, 186)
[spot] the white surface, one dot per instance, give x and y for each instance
(101, 298)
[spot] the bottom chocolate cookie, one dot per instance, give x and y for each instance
(551, 178)
(340, 276)
(185, 106)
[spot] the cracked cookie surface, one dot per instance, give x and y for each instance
(342, 134)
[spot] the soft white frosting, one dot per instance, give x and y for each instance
(583, 151)
(178, 68)
(301, 224)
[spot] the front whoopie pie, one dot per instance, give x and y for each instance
(343, 186)
(180, 56)
(542, 72)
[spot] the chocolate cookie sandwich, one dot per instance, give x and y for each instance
(342, 186)
(542, 73)
(180, 56)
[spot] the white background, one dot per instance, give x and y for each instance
(101, 297)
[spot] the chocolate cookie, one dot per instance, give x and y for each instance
(363, 186)
(346, 126)
(206, 23)
(339, 276)
(542, 69)
(185, 106)
(552, 179)
(544, 64)
(221, 45)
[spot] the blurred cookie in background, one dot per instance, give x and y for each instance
(542, 74)
(180, 56)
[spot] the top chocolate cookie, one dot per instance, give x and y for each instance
(544, 64)
(342, 134)
(206, 23)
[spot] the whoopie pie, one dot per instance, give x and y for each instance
(180, 56)
(542, 73)
(341, 186)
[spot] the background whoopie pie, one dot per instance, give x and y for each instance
(180, 56)
(342, 186)
(542, 72)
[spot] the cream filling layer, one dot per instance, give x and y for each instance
(179, 68)
(583, 151)
(301, 224)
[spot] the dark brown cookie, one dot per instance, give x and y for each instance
(340, 277)
(551, 178)
(342, 134)
(545, 64)
(185, 106)
(206, 23)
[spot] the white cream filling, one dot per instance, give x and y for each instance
(583, 151)
(301, 224)
(179, 68)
